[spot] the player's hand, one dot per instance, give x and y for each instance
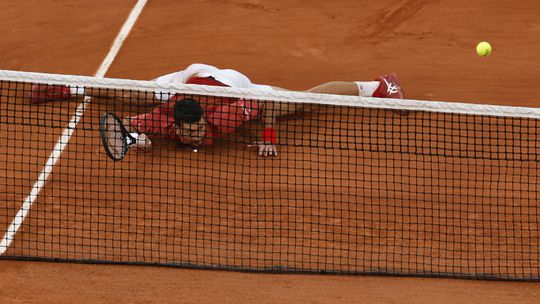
(143, 143)
(265, 149)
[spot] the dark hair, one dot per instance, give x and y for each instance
(187, 110)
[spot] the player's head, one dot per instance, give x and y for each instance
(190, 123)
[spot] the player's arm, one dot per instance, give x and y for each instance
(270, 111)
(228, 117)
(140, 126)
(267, 144)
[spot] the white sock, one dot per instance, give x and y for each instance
(76, 90)
(367, 88)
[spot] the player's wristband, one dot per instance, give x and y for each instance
(269, 135)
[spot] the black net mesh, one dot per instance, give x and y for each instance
(353, 190)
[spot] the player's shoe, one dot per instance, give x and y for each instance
(390, 87)
(48, 92)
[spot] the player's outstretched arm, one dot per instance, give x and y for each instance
(267, 145)
(142, 141)
(270, 111)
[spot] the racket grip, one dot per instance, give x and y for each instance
(132, 138)
(141, 140)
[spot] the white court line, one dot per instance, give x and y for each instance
(66, 135)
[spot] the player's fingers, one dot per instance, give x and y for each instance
(267, 150)
(270, 151)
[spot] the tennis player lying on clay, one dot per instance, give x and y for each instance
(199, 122)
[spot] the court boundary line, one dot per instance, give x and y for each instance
(70, 128)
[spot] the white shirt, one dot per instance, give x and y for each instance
(232, 78)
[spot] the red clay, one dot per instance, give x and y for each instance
(291, 44)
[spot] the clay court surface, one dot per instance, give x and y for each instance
(290, 44)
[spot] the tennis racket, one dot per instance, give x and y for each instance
(114, 136)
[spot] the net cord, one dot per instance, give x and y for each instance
(276, 95)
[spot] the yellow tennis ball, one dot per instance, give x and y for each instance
(483, 49)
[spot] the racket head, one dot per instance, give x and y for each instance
(114, 136)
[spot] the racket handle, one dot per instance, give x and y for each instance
(132, 138)
(140, 141)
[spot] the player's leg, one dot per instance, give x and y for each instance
(387, 86)
(44, 93)
(274, 109)
(126, 96)
(338, 88)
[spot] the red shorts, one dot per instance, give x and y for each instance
(211, 81)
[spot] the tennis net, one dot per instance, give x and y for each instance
(360, 185)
